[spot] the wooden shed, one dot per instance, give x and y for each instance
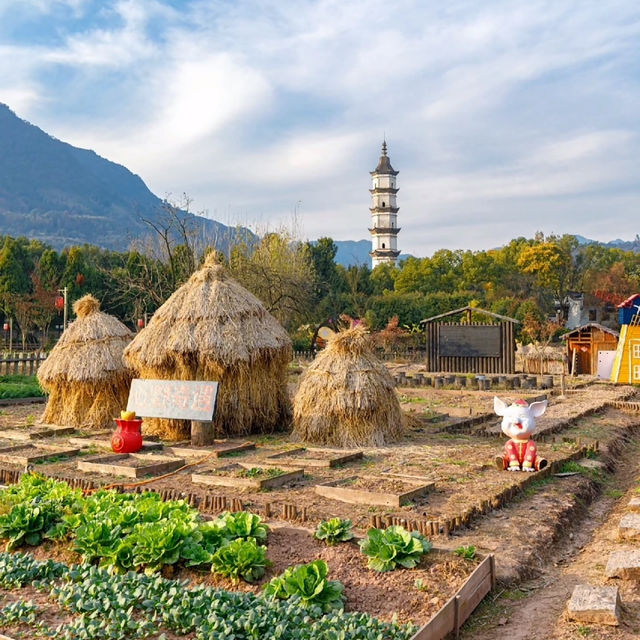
(588, 344)
(458, 346)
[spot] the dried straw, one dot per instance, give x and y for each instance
(85, 376)
(212, 328)
(346, 398)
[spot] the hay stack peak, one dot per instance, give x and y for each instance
(212, 328)
(346, 398)
(85, 376)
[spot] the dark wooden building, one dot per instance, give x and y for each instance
(470, 347)
(584, 347)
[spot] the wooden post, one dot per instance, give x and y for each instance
(202, 433)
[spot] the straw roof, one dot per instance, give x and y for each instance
(85, 375)
(347, 397)
(89, 350)
(211, 317)
(212, 328)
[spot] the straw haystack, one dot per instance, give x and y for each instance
(212, 328)
(346, 398)
(85, 376)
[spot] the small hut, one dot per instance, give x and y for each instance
(346, 398)
(591, 349)
(85, 376)
(212, 328)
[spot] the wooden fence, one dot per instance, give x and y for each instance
(20, 363)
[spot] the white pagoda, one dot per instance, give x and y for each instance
(384, 212)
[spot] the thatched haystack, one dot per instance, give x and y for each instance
(85, 375)
(346, 398)
(212, 328)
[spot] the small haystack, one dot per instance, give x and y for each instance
(346, 398)
(85, 376)
(212, 328)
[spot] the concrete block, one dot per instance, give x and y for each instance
(629, 527)
(588, 463)
(634, 504)
(624, 564)
(594, 605)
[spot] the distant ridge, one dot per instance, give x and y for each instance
(356, 252)
(63, 195)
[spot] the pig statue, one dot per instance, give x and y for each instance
(518, 424)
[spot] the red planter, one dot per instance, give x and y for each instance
(127, 438)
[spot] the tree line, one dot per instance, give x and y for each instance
(303, 286)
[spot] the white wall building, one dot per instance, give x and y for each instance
(384, 212)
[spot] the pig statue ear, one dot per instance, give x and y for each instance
(538, 408)
(499, 406)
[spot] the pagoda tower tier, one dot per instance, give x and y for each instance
(384, 212)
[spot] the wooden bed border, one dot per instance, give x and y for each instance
(462, 604)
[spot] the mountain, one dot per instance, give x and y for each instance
(63, 195)
(624, 245)
(356, 252)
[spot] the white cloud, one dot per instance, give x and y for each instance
(500, 116)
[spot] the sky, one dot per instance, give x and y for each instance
(503, 117)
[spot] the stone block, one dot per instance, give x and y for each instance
(634, 504)
(588, 463)
(624, 564)
(629, 527)
(594, 605)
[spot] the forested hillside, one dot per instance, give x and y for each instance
(301, 283)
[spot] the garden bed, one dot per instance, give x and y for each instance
(248, 476)
(375, 490)
(218, 449)
(27, 453)
(131, 465)
(105, 443)
(314, 457)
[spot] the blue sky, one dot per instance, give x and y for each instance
(503, 117)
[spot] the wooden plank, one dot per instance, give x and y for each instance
(440, 625)
(219, 449)
(361, 496)
(105, 443)
(248, 483)
(327, 458)
(26, 434)
(109, 465)
(178, 399)
(461, 605)
(475, 588)
(28, 453)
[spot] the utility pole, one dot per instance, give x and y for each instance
(64, 303)
(10, 334)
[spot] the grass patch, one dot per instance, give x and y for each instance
(19, 387)
(614, 493)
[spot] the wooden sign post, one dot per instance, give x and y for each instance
(193, 400)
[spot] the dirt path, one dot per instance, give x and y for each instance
(536, 608)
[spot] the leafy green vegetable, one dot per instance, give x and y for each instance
(334, 530)
(134, 605)
(393, 546)
(309, 582)
(95, 540)
(27, 523)
(241, 559)
(467, 552)
(256, 472)
(242, 524)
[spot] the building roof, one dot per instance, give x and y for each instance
(630, 302)
(473, 310)
(384, 164)
(593, 325)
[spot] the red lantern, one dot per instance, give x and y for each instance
(59, 303)
(5, 326)
(140, 323)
